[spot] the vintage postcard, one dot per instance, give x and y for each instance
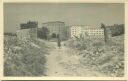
(64, 80)
(64, 39)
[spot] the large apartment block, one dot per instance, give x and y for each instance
(56, 28)
(84, 30)
(76, 30)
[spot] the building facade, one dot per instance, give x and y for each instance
(55, 28)
(76, 31)
(84, 30)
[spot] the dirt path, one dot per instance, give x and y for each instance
(65, 62)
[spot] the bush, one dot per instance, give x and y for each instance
(106, 58)
(24, 59)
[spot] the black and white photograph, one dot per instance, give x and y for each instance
(64, 39)
(64, 80)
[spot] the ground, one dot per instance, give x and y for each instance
(65, 62)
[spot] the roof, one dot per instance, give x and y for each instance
(54, 22)
(28, 25)
(87, 26)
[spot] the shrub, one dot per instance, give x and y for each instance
(106, 58)
(23, 59)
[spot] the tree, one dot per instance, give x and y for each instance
(43, 33)
(117, 29)
(53, 35)
(102, 25)
(105, 33)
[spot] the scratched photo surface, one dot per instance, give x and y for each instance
(64, 39)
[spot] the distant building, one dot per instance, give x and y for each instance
(56, 28)
(76, 30)
(27, 30)
(93, 32)
(29, 25)
(68, 32)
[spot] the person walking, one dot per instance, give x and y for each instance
(59, 41)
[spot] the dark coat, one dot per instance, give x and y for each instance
(59, 42)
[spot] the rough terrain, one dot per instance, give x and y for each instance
(64, 62)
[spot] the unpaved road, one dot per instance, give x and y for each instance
(65, 62)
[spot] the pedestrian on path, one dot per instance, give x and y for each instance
(59, 41)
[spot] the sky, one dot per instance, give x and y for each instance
(71, 13)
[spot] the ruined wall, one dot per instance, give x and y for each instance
(24, 34)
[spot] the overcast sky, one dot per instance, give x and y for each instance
(71, 14)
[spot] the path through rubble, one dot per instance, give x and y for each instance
(65, 62)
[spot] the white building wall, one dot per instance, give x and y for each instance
(75, 31)
(91, 31)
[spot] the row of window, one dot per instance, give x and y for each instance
(88, 32)
(74, 33)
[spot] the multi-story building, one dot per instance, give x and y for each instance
(84, 30)
(76, 30)
(56, 28)
(68, 32)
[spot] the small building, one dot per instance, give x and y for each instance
(29, 25)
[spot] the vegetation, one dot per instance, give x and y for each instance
(10, 34)
(96, 54)
(117, 29)
(24, 58)
(43, 33)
